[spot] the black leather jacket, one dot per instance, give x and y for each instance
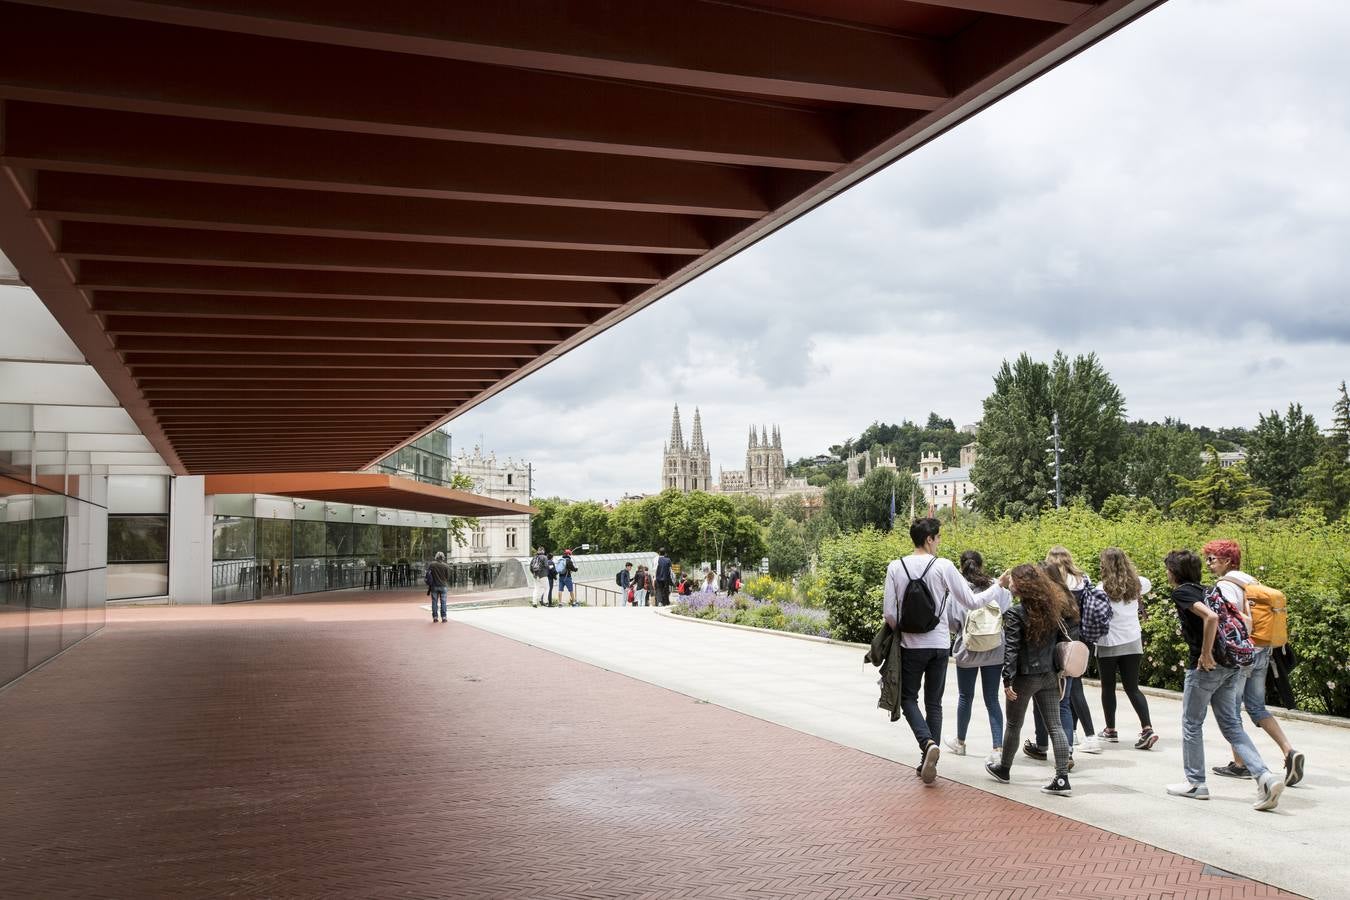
(1018, 657)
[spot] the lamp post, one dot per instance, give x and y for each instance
(1055, 449)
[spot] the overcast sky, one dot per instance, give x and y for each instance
(1174, 199)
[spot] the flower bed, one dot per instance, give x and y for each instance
(742, 609)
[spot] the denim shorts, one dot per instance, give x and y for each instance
(564, 582)
(1253, 695)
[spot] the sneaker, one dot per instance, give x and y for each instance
(1232, 770)
(1268, 790)
(957, 747)
(995, 756)
(1091, 744)
(1293, 768)
(1059, 787)
(1109, 735)
(434, 619)
(928, 771)
(1147, 738)
(1033, 751)
(998, 773)
(534, 604)
(1186, 789)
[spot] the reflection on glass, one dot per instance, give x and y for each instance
(234, 566)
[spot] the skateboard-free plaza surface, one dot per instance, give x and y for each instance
(355, 749)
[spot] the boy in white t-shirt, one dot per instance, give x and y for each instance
(1223, 558)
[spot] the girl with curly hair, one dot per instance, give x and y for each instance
(1031, 629)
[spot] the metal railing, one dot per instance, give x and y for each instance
(600, 595)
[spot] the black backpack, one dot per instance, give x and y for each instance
(918, 609)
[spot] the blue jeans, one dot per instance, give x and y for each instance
(929, 667)
(991, 681)
(1220, 689)
(438, 593)
(1066, 719)
(1253, 692)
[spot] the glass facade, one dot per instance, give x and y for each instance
(53, 533)
(425, 459)
(274, 546)
(138, 536)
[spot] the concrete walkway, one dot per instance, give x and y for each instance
(825, 690)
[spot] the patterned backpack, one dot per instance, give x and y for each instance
(1233, 647)
(1095, 609)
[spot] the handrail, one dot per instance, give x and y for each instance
(603, 596)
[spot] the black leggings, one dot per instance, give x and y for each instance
(1128, 667)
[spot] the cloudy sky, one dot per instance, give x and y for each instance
(1175, 199)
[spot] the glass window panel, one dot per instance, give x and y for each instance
(309, 539)
(368, 542)
(232, 538)
(138, 494)
(138, 539)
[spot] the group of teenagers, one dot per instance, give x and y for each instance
(1028, 634)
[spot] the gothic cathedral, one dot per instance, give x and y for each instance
(686, 467)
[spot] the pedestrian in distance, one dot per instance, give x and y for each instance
(1121, 651)
(734, 580)
(1264, 612)
(1032, 631)
(978, 653)
(566, 568)
(918, 590)
(539, 567)
(663, 578)
(438, 583)
(624, 579)
(642, 585)
(1218, 649)
(552, 577)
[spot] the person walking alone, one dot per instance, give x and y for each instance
(918, 589)
(539, 566)
(1122, 649)
(1031, 630)
(664, 578)
(438, 582)
(985, 665)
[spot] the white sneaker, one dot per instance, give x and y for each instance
(1091, 744)
(1268, 789)
(957, 747)
(995, 758)
(1186, 789)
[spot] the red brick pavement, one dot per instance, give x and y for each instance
(357, 750)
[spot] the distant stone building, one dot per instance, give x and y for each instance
(496, 537)
(686, 467)
(943, 486)
(860, 465)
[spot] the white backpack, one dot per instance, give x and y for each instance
(984, 628)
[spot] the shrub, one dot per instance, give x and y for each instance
(852, 568)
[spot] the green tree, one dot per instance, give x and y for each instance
(1157, 453)
(1325, 485)
(1091, 428)
(1281, 448)
(785, 541)
(1219, 492)
(541, 523)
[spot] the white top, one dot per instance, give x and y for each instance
(1125, 626)
(1234, 594)
(946, 585)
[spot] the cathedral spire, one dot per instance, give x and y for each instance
(777, 438)
(676, 433)
(697, 439)
(754, 439)
(763, 436)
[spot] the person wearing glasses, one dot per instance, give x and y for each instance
(1223, 558)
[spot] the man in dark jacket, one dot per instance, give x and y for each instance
(438, 580)
(539, 566)
(663, 579)
(623, 579)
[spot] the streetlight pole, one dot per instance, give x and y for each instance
(1055, 449)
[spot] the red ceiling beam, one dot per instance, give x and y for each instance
(198, 348)
(126, 243)
(226, 377)
(368, 332)
(59, 57)
(251, 365)
(377, 311)
(1060, 11)
(150, 386)
(99, 142)
(135, 201)
(711, 46)
(182, 279)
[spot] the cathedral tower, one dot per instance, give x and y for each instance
(686, 467)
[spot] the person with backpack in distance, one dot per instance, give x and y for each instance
(642, 585)
(1122, 649)
(1094, 612)
(539, 566)
(565, 568)
(1219, 650)
(1033, 630)
(623, 579)
(1265, 612)
(552, 575)
(978, 652)
(918, 590)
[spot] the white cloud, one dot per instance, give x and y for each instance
(1174, 199)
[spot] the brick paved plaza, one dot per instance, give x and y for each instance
(356, 750)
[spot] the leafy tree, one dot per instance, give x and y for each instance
(786, 546)
(1219, 492)
(1155, 454)
(869, 504)
(1121, 508)
(1281, 448)
(541, 523)
(937, 423)
(1091, 428)
(1325, 485)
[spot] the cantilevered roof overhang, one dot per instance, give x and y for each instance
(294, 235)
(366, 489)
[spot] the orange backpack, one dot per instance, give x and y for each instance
(1269, 609)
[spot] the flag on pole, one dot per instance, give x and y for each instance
(892, 507)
